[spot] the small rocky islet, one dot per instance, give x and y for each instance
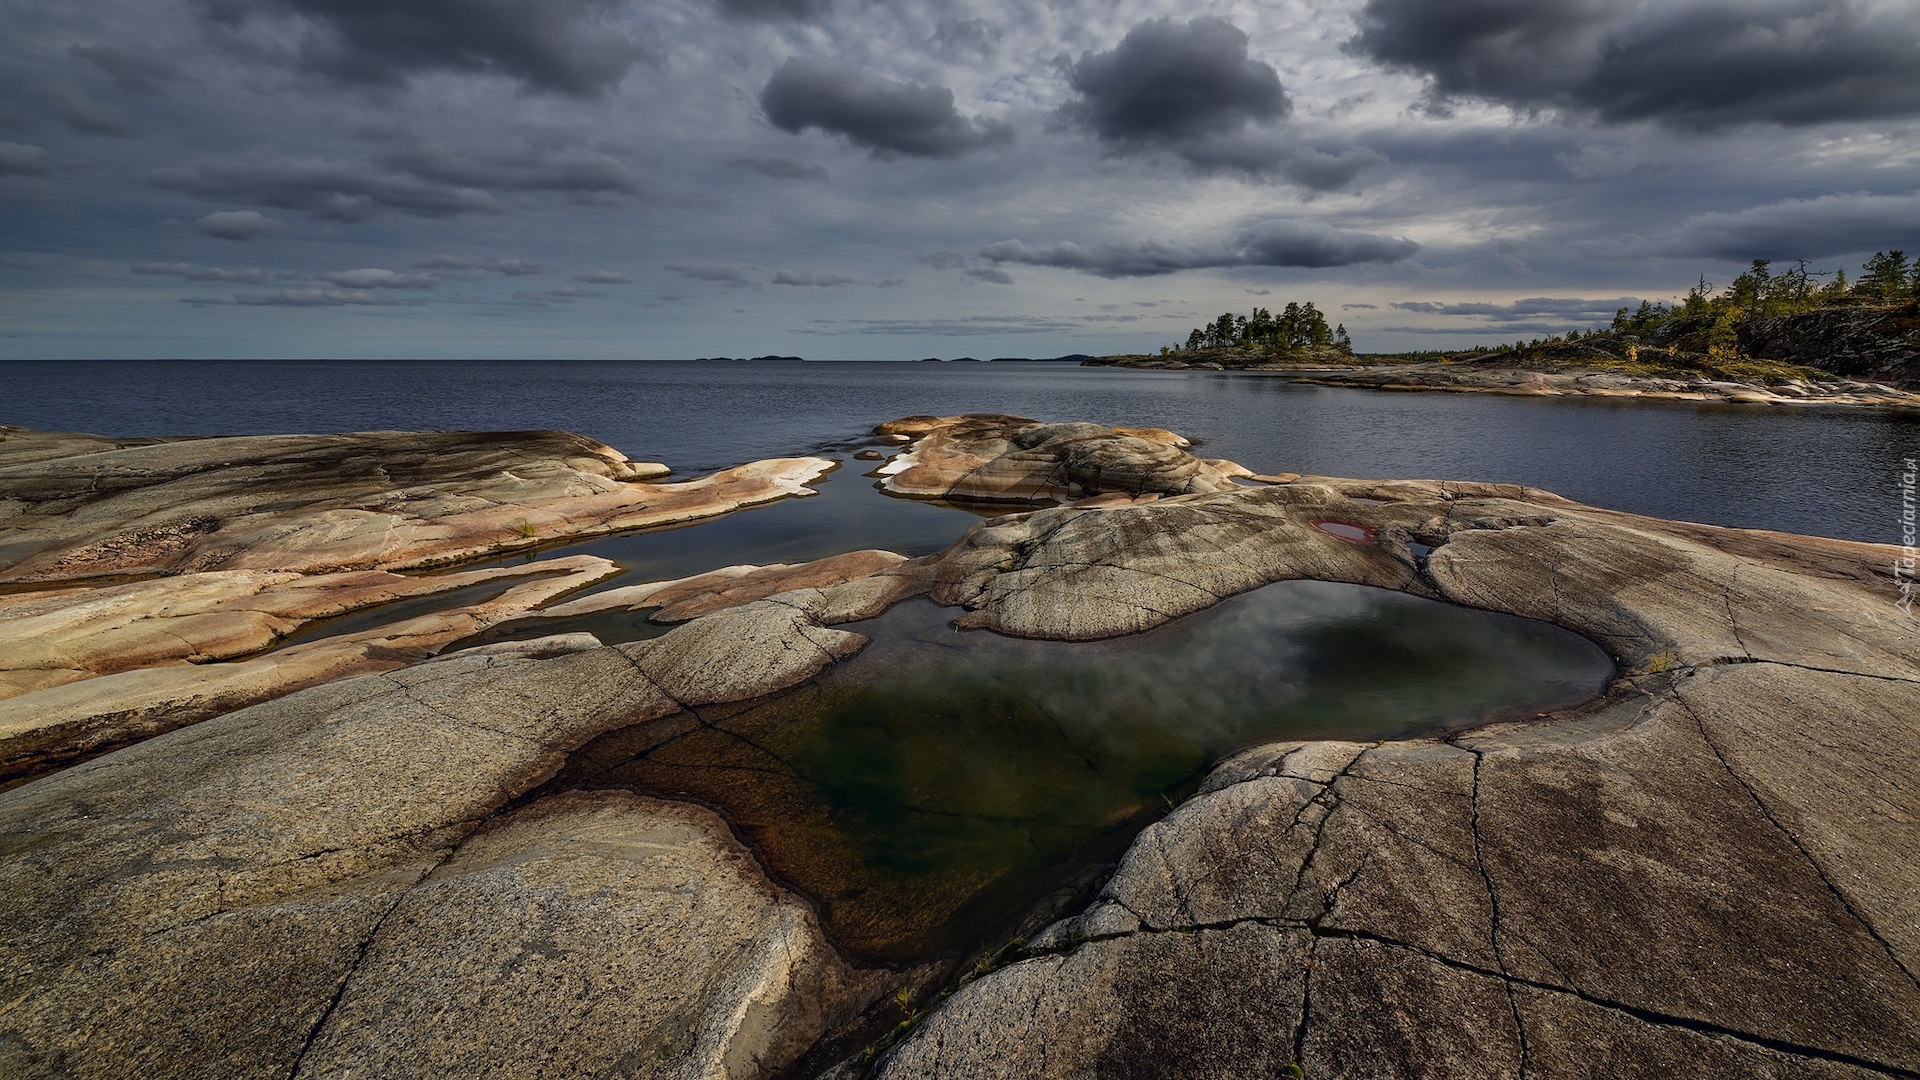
(358, 865)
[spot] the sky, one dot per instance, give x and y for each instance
(858, 180)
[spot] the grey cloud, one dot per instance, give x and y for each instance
(237, 224)
(310, 298)
(1490, 333)
(373, 277)
(190, 272)
(1528, 310)
(574, 174)
(133, 72)
(1305, 244)
(1692, 64)
(24, 159)
(992, 275)
(1167, 82)
(780, 168)
(954, 37)
(1191, 89)
(725, 275)
(1792, 229)
(770, 10)
(888, 118)
(83, 114)
(14, 118)
(490, 263)
(1264, 154)
(334, 190)
(565, 294)
(806, 279)
(966, 326)
(570, 47)
(603, 277)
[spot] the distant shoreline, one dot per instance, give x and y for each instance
(1479, 378)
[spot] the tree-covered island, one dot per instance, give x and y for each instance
(1766, 328)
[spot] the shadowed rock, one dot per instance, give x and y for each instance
(1708, 871)
(299, 887)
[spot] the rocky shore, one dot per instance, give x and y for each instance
(1707, 871)
(129, 569)
(1493, 379)
(1486, 377)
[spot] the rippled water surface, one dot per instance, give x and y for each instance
(927, 789)
(1829, 472)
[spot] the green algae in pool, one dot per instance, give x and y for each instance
(928, 789)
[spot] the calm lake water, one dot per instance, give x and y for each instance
(1822, 471)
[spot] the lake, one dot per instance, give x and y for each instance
(1828, 472)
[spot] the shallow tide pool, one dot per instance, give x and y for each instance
(927, 790)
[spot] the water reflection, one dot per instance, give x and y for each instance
(928, 789)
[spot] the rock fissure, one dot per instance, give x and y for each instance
(1779, 826)
(360, 957)
(1645, 1015)
(1493, 922)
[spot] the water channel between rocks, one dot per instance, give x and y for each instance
(926, 791)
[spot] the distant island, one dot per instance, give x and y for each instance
(745, 359)
(1766, 336)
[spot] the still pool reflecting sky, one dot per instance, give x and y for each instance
(925, 791)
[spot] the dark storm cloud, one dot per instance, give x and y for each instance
(190, 272)
(83, 114)
(570, 47)
(888, 118)
(1190, 89)
(780, 168)
(1693, 64)
(1793, 229)
(1167, 82)
(1529, 310)
(24, 159)
(1304, 244)
(770, 10)
(334, 190)
(603, 277)
(238, 224)
(490, 263)
(132, 72)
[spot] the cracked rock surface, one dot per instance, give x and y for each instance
(1710, 871)
(342, 882)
